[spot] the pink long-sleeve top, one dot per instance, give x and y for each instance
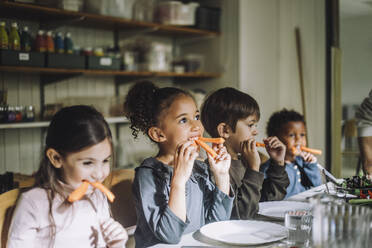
(77, 224)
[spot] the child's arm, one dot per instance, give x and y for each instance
(276, 181)
(250, 157)
(24, 224)
(184, 158)
(220, 166)
(114, 233)
(276, 149)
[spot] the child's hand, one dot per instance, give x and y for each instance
(308, 157)
(221, 164)
(114, 233)
(276, 149)
(250, 155)
(220, 167)
(184, 159)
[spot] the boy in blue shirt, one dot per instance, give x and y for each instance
(289, 127)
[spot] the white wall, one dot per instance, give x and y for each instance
(356, 45)
(268, 62)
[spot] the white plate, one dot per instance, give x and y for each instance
(277, 209)
(244, 232)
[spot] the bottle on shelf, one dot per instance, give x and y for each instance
(49, 42)
(69, 46)
(58, 43)
(25, 40)
(40, 44)
(4, 41)
(14, 39)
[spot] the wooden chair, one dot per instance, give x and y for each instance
(7, 206)
(123, 208)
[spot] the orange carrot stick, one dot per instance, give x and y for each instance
(110, 196)
(212, 140)
(311, 150)
(78, 193)
(206, 148)
(259, 144)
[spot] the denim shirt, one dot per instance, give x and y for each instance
(302, 176)
(156, 223)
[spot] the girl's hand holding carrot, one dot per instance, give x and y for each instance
(276, 149)
(249, 153)
(220, 166)
(114, 233)
(184, 158)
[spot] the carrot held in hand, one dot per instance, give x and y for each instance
(206, 148)
(306, 149)
(258, 144)
(110, 196)
(212, 140)
(311, 150)
(78, 193)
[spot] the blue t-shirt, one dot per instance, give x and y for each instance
(302, 176)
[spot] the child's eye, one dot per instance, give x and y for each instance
(87, 163)
(303, 135)
(252, 125)
(106, 161)
(291, 135)
(197, 117)
(183, 120)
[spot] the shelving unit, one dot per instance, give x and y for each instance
(46, 71)
(50, 15)
(44, 79)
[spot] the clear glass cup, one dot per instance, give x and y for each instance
(298, 224)
(341, 225)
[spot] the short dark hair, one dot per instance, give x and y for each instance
(278, 119)
(145, 102)
(227, 105)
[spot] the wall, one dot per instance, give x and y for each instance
(356, 40)
(268, 62)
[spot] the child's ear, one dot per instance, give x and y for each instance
(54, 157)
(156, 134)
(224, 130)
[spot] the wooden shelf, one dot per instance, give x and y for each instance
(53, 15)
(38, 124)
(42, 70)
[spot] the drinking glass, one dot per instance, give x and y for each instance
(298, 224)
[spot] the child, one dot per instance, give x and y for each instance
(233, 115)
(78, 147)
(302, 169)
(173, 192)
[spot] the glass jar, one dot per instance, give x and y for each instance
(30, 113)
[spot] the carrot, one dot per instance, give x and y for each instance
(212, 140)
(311, 150)
(206, 148)
(258, 144)
(110, 196)
(78, 193)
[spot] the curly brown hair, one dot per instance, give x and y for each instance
(145, 102)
